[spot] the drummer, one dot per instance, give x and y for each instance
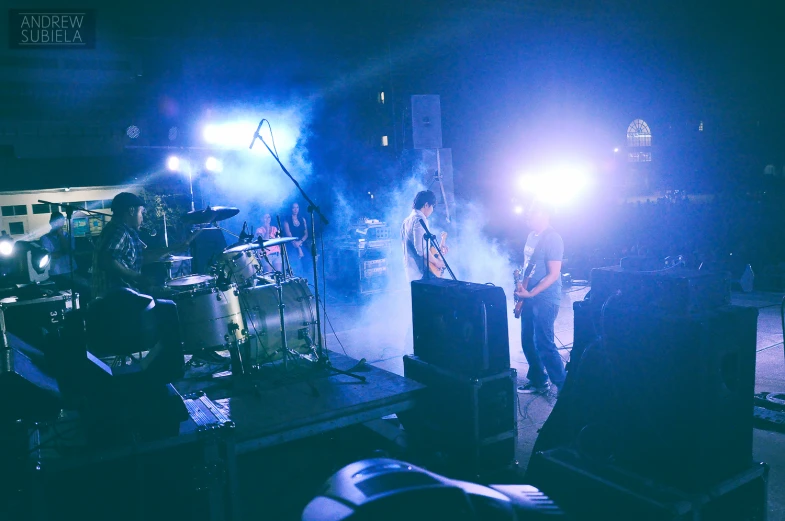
(120, 253)
(267, 231)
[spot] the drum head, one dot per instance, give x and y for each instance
(190, 281)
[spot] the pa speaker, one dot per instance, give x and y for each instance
(461, 326)
(665, 396)
(426, 122)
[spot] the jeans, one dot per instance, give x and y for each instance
(537, 320)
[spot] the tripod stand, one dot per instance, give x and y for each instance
(322, 359)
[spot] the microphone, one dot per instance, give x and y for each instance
(256, 134)
(278, 232)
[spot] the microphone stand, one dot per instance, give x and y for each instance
(69, 212)
(432, 240)
(322, 358)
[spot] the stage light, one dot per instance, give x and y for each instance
(518, 209)
(132, 132)
(238, 134)
(616, 149)
(213, 165)
(173, 163)
(39, 257)
(6, 246)
(557, 186)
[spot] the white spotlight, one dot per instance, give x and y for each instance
(6, 247)
(173, 163)
(518, 209)
(213, 165)
(616, 149)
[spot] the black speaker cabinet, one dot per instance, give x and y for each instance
(426, 121)
(461, 326)
(667, 396)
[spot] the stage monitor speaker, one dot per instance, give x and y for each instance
(426, 121)
(666, 396)
(461, 326)
(671, 290)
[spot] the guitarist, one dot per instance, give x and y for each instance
(412, 237)
(541, 297)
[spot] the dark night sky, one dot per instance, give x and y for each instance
(517, 79)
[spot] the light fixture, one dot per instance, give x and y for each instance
(132, 132)
(616, 149)
(213, 165)
(6, 246)
(518, 209)
(173, 163)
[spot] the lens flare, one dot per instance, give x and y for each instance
(173, 163)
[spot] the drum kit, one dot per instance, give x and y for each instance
(257, 316)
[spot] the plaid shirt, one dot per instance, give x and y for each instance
(121, 243)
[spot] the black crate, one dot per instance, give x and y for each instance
(189, 476)
(31, 320)
(459, 410)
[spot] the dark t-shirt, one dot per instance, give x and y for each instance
(552, 249)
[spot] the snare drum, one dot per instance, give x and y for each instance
(209, 316)
(240, 268)
(263, 321)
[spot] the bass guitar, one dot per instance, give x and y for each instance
(435, 269)
(521, 281)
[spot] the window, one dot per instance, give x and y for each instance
(41, 208)
(94, 205)
(384, 141)
(20, 209)
(700, 127)
(381, 97)
(638, 134)
(107, 203)
(16, 228)
(639, 157)
(7, 211)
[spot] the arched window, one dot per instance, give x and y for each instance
(638, 134)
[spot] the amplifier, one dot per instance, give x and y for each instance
(461, 326)
(672, 290)
(31, 320)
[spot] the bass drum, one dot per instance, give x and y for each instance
(263, 322)
(210, 316)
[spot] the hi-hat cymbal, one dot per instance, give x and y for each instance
(210, 215)
(241, 247)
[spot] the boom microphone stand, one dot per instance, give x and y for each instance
(432, 240)
(321, 355)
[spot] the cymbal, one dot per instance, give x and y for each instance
(279, 240)
(241, 247)
(210, 215)
(173, 258)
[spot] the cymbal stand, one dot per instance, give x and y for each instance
(285, 265)
(281, 306)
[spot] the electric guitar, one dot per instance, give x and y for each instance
(435, 255)
(521, 281)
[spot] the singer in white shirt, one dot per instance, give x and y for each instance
(413, 237)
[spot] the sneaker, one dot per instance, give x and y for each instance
(531, 389)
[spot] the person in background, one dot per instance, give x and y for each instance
(299, 256)
(267, 231)
(62, 262)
